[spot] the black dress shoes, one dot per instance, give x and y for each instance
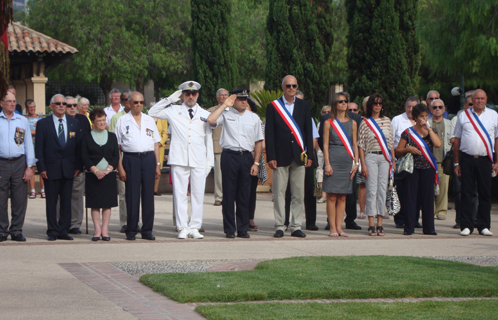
(123, 229)
(418, 225)
(278, 234)
(106, 238)
(243, 235)
(148, 236)
(65, 237)
(400, 225)
(312, 228)
(51, 238)
(406, 233)
(130, 237)
(353, 226)
(3, 238)
(230, 235)
(17, 237)
(95, 238)
(74, 231)
(456, 226)
(299, 234)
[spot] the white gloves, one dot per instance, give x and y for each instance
(174, 97)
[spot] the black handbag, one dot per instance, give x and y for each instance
(448, 162)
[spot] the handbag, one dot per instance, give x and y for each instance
(447, 163)
(404, 166)
(392, 200)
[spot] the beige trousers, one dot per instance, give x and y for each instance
(122, 202)
(293, 173)
(218, 189)
(441, 201)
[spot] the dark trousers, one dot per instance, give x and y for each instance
(252, 197)
(419, 191)
(475, 170)
(457, 195)
(351, 199)
(236, 182)
(54, 190)
(399, 218)
(309, 198)
(11, 173)
(140, 177)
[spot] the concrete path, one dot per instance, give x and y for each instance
(61, 279)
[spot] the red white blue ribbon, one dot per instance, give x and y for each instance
(290, 122)
(424, 148)
(381, 139)
(343, 135)
(481, 131)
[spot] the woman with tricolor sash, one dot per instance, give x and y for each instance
(376, 149)
(419, 140)
(340, 154)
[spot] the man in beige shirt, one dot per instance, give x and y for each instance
(221, 96)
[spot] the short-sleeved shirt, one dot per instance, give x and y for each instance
(15, 138)
(470, 142)
(114, 119)
(131, 138)
(240, 131)
(32, 122)
(109, 112)
(419, 161)
(367, 139)
(399, 124)
(439, 128)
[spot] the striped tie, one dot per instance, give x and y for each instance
(61, 134)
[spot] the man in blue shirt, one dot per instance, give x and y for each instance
(17, 158)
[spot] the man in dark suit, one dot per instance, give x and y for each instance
(351, 212)
(57, 148)
(289, 149)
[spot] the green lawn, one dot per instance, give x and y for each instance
(332, 278)
(477, 309)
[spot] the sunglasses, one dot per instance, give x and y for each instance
(437, 107)
(60, 103)
(137, 102)
(353, 110)
(432, 98)
(69, 105)
(288, 86)
(342, 101)
(190, 93)
(470, 104)
(124, 100)
(379, 103)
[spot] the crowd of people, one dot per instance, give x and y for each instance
(113, 157)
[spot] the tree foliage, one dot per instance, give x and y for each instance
(461, 37)
(376, 57)
(408, 16)
(213, 58)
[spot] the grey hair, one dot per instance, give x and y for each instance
(469, 93)
(430, 105)
(219, 90)
(83, 101)
(126, 92)
(69, 97)
(300, 93)
(412, 98)
(114, 90)
(52, 100)
(428, 93)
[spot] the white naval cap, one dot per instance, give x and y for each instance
(189, 86)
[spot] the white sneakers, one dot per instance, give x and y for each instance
(486, 232)
(186, 233)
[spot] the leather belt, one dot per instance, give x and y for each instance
(240, 152)
(376, 152)
(139, 154)
(475, 157)
(12, 159)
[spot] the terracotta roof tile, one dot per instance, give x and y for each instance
(24, 39)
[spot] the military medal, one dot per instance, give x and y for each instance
(19, 136)
(127, 128)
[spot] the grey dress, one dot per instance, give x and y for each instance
(340, 161)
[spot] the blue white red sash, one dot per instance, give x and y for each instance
(381, 139)
(343, 135)
(481, 131)
(291, 123)
(424, 148)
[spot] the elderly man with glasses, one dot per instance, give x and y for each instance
(115, 107)
(434, 95)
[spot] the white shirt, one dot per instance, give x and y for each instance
(289, 106)
(314, 129)
(240, 131)
(109, 112)
(470, 142)
(400, 123)
(191, 139)
(57, 123)
(131, 138)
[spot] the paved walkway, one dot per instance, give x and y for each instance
(75, 279)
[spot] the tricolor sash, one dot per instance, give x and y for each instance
(381, 139)
(346, 140)
(424, 148)
(481, 131)
(291, 123)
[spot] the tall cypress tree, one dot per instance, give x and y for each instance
(213, 59)
(408, 14)
(376, 56)
(299, 42)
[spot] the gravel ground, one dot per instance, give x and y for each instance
(477, 260)
(175, 266)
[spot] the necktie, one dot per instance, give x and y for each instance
(191, 113)
(61, 134)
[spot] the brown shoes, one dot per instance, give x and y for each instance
(217, 203)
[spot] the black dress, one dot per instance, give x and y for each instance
(100, 193)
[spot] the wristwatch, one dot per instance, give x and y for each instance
(159, 163)
(31, 166)
(256, 163)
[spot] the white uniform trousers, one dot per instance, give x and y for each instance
(181, 175)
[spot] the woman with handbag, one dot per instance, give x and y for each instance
(376, 155)
(340, 154)
(419, 186)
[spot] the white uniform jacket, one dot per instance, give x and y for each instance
(191, 139)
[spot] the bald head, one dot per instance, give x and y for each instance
(479, 99)
(289, 87)
(136, 102)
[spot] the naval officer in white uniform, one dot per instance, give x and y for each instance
(190, 154)
(240, 136)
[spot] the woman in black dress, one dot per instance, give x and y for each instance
(100, 155)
